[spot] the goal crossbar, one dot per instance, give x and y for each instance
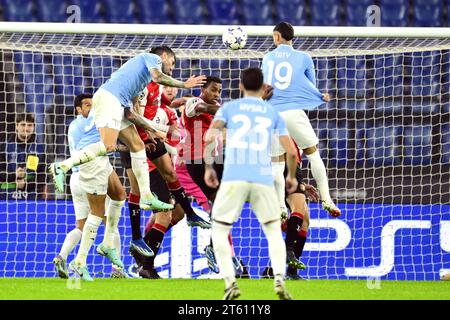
(214, 30)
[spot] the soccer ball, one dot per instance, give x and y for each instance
(234, 38)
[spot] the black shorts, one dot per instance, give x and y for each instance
(125, 157)
(159, 186)
(298, 175)
(197, 173)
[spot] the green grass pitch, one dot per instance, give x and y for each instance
(194, 289)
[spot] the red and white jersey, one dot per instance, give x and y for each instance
(196, 126)
(156, 108)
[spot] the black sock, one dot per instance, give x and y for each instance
(135, 217)
(154, 239)
(292, 270)
(300, 243)
(293, 227)
(183, 200)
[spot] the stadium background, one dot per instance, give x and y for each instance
(399, 155)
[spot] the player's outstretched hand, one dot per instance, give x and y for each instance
(291, 184)
(311, 192)
(195, 81)
(326, 97)
(211, 178)
(268, 91)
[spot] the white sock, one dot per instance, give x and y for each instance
(280, 183)
(112, 221)
(118, 244)
(88, 238)
(320, 175)
(277, 247)
(70, 242)
(222, 251)
(86, 154)
(140, 169)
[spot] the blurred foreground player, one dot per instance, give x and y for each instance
(250, 123)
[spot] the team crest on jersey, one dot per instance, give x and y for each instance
(143, 97)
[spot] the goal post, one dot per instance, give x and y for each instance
(384, 138)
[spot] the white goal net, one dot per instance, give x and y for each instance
(384, 138)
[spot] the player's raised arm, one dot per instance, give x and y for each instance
(192, 82)
(214, 131)
(154, 129)
(196, 106)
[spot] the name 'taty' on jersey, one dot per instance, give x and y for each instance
(292, 75)
(250, 124)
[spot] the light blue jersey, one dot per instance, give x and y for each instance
(250, 124)
(132, 77)
(82, 132)
(291, 73)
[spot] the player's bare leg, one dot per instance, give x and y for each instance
(107, 144)
(320, 175)
(139, 165)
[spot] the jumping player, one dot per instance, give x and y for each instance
(119, 92)
(291, 73)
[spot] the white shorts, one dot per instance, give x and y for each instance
(299, 128)
(79, 197)
(232, 195)
(108, 111)
(94, 175)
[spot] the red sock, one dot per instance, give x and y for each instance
(133, 198)
(148, 226)
(174, 185)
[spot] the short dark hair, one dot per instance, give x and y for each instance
(159, 50)
(79, 99)
(252, 79)
(211, 79)
(285, 29)
(27, 117)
